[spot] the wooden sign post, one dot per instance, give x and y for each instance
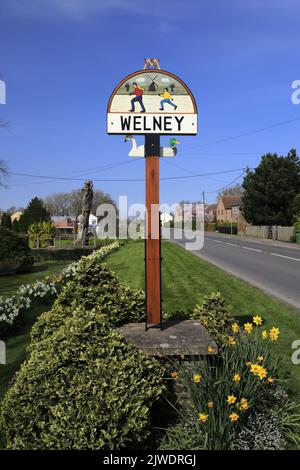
(152, 103)
(152, 239)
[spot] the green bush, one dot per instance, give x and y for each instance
(214, 316)
(94, 286)
(60, 254)
(15, 254)
(211, 226)
(6, 220)
(81, 388)
(41, 234)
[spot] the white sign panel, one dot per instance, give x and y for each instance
(152, 102)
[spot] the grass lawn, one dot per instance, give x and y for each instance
(9, 284)
(186, 279)
(16, 344)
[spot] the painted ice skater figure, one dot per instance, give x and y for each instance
(167, 99)
(138, 92)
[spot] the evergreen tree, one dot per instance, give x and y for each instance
(270, 189)
(296, 206)
(34, 213)
(6, 220)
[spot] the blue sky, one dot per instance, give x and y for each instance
(61, 59)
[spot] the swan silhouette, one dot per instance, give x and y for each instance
(139, 151)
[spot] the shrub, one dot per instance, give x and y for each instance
(94, 286)
(214, 316)
(6, 220)
(82, 388)
(15, 254)
(41, 234)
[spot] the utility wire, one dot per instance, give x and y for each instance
(123, 179)
(229, 184)
(245, 134)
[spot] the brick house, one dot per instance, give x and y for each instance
(63, 225)
(228, 209)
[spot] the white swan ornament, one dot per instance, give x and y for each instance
(139, 151)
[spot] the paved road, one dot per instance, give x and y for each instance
(274, 268)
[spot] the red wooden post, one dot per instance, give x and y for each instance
(152, 241)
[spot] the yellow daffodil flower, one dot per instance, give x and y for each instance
(248, 327)
(196, 378)
(236, 378)
(257, 320)
(274, 334)
(211, 350)
(231, 399)
(235, 328)
(203, 417)
(231, 340)
(260, 358)
(174, 375)
(234, 417)
(244, 404)
(210, 404)
(264, 334)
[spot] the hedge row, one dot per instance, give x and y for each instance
(82, 386)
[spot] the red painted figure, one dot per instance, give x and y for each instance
(138, 92)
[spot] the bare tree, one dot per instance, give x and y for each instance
(235, 190)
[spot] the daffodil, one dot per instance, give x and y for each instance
(259, 371)
(174, 374)
(196, 378)
(203, 417)
(231, 340)
(231, 399)
(264, 334)
(248, 327)
(257, 320)
(211, 350)
(210, 404)
(274, 334)
(236, 378)
(270, 380)
(243, 405)
(260, 358)
(234, 417)
(235, 328)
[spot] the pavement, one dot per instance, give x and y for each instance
(272, 266)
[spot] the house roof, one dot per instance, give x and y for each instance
(231, 201)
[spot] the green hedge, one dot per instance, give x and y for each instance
(72, 254)
(95, 286)
(61, 254)
(15, 254)
(81, 388)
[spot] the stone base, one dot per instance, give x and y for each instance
(177, 338)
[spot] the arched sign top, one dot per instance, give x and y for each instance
(152, 102)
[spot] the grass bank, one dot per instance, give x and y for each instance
(16, 343)
(186, 279)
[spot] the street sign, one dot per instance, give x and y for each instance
(152, 102)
